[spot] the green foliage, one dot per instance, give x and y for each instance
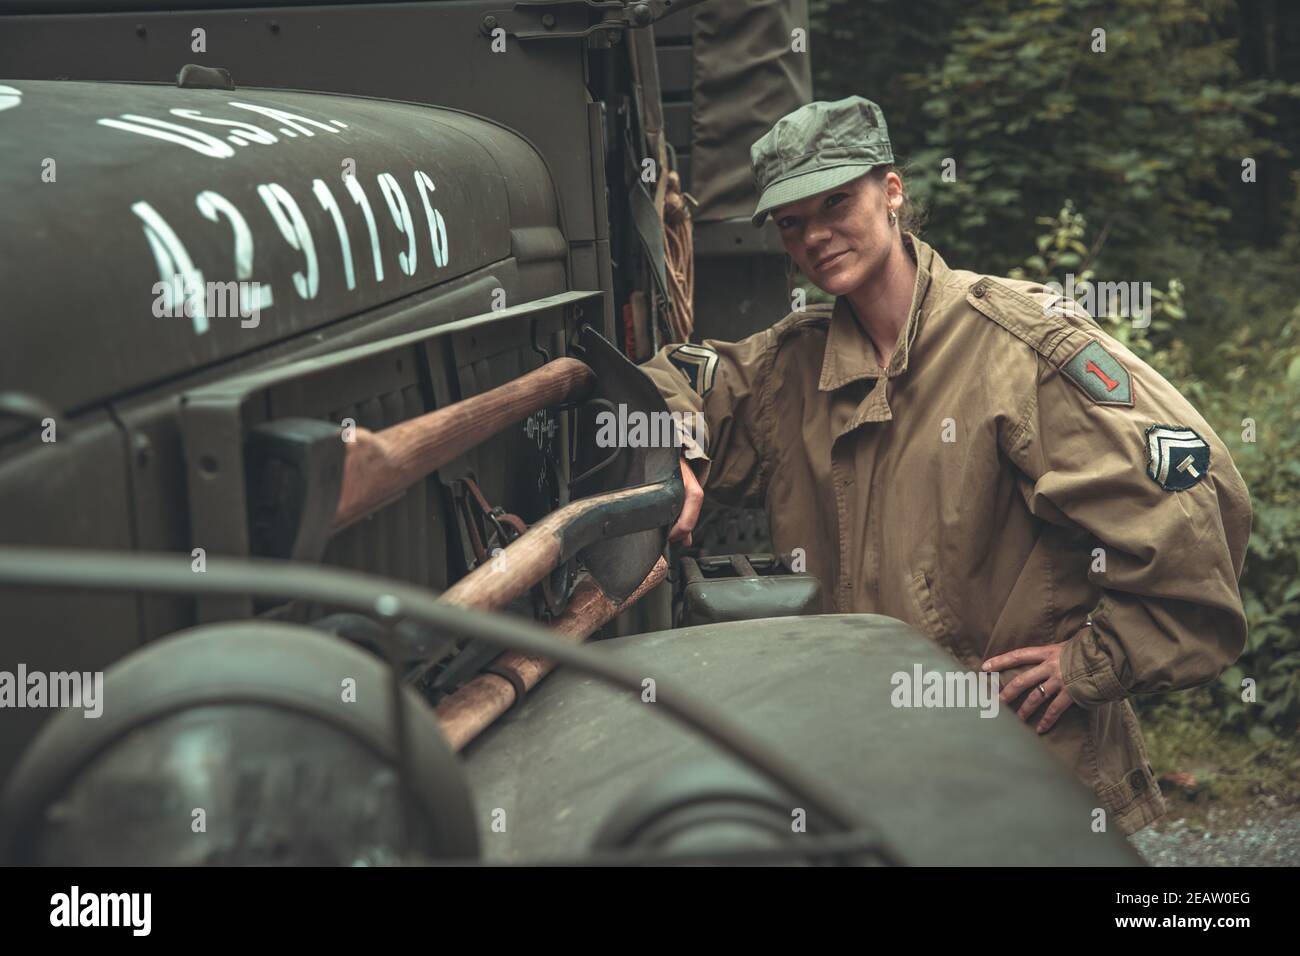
(1151, 131)
(1186, 732)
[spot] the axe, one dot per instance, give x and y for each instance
(311, 484)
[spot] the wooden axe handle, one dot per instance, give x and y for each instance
(531, 556)
(466, 713)
(379, 466)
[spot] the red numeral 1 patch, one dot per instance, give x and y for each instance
(1100, 375)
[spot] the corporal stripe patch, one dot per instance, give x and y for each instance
(698, 363)
(1177, 457)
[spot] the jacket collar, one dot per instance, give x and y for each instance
(849, 354)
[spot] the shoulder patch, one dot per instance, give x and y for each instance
(1177, 457)
(1100, 375)
(698, 363)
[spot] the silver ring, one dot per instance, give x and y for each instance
(1041, 691)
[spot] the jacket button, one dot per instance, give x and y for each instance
(980, 288)
(1137, 780)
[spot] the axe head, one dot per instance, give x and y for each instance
(620, 564)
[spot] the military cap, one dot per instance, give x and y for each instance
(815, 148)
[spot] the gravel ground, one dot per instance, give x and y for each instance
(1256, 837)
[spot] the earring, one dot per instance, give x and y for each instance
(893, 218)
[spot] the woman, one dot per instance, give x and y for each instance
(971, 455)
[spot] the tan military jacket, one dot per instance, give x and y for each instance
(1013, 475)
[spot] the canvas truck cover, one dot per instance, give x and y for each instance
(747, 76)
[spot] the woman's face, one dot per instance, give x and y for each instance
(841, 238)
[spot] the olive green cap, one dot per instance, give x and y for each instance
(818, 147)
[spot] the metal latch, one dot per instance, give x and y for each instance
(195, 76)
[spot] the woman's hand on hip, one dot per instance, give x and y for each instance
(1043, 680)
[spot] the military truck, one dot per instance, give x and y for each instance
(310, 316)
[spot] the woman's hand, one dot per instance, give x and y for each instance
(681, 531)
(1044, 682)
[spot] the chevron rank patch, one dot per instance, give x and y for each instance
(698, 363)
(1100, 375)
(1177, 457)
